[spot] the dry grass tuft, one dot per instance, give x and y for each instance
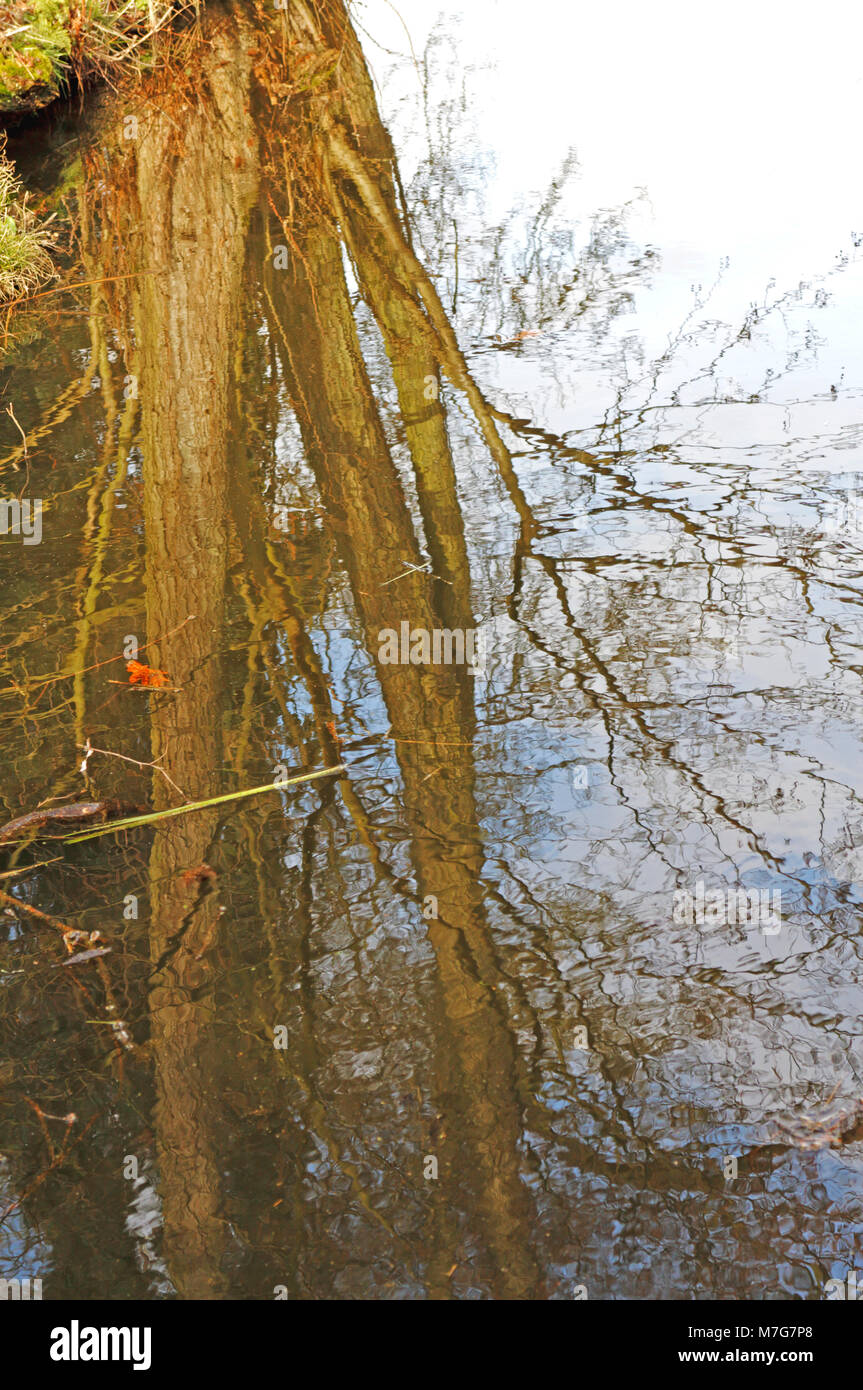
(24, 260)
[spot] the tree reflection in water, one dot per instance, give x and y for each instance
(290, 442)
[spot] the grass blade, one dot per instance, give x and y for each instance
(130, 821)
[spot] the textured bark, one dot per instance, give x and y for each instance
(196, 179)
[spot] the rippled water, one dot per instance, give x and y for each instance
(495, 1012)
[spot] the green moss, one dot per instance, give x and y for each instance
(35, 53)
(37, 48)
(38, 55)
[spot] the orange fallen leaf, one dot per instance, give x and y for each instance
(202, 874)
(139, 674)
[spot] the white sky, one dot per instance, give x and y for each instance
(743, 120)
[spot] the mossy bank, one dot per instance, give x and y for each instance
(48, 50)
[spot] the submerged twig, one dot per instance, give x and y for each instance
(89, 750)
(56, 1158)
(28, 868)
(7, 900)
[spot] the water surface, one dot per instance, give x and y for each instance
(364, 338)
